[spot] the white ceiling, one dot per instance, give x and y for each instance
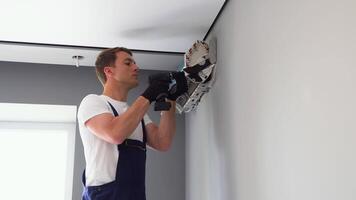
(156, 25)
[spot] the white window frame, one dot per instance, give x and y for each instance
(64, 121)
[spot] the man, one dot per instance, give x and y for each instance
(114, 135)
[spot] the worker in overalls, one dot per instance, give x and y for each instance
(115, 135)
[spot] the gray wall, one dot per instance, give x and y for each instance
(280, 122)
(67, 85)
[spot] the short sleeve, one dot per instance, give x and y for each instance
(147, 119)
(91, 106)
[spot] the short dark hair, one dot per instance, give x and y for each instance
(107, 58)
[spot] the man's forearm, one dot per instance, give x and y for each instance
(167, 127)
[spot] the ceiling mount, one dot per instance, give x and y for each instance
(77, 58)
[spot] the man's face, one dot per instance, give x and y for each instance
(125, 70)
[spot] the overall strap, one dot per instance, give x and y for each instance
(144, 132)
(113, 109)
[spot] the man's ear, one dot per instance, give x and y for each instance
(108, 71)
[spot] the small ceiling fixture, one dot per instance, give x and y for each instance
(77, 58)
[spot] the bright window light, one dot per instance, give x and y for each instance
(37, 158)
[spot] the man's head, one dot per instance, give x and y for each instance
(118, 66)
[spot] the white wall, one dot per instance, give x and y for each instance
(280, 122)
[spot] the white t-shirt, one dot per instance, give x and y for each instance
(101, 157)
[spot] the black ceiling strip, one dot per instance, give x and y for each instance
(84, 47)
(216, 19)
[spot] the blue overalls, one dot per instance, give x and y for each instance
(129, 183)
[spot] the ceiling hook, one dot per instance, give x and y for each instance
(77, 58)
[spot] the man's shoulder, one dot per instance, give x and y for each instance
(91, 105)
(92, 96)
(91, 100)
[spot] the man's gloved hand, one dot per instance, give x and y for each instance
(181, 85)
(154, 89)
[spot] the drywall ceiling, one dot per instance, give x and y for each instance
(48, 31)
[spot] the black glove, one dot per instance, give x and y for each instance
(154, 89)
(181, 86)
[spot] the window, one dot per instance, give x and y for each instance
(37, 151)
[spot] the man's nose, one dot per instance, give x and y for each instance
(136, 68)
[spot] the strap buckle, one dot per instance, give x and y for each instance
(126, 143)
